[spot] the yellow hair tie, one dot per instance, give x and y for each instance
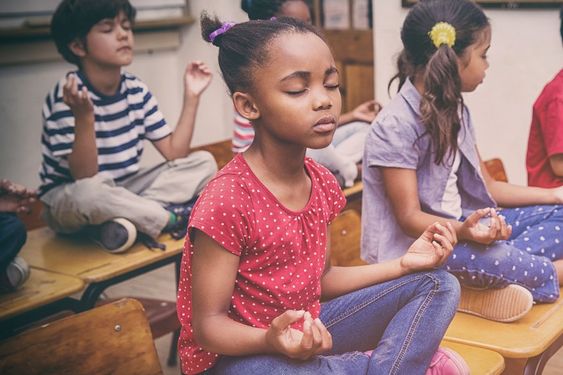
(442, 33)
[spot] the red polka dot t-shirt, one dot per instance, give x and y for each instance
(282, 252)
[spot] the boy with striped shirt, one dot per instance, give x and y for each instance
(95, 121)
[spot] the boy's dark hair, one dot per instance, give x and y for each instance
(74, 18)
(264, 9)
(245, 46)
(442, 98)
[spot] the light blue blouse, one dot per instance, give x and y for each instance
(397, 139)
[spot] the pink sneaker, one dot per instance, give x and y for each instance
(447, 362)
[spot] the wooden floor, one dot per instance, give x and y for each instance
(160, 284)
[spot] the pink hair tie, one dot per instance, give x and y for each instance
(222, 30)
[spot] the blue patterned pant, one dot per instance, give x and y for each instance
(525, 259)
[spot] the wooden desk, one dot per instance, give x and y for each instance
(526, 344)
(43, 294)
(85, 260)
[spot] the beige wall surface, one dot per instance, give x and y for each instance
(525, 54)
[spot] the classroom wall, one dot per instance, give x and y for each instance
(23, 89)
(525, 54)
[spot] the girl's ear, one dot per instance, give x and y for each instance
(77, 47)
(246, 106)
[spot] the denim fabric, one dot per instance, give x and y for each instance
(525, 259)
(12, 238)
(402, 320)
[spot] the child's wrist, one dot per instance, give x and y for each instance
(402, 269)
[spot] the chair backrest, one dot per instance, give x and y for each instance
(345, 239)
(495, 167)
(111, 339)
(221, 151)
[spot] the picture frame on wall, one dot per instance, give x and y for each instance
(510, 4)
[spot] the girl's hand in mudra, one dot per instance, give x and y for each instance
(431, 249)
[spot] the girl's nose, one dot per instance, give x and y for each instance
(322, 101)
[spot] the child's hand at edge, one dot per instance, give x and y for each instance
(431, 249)
(366, 111)
(293, 343)
(196, 79)
(15, 198)
(475, 231)
(78, 100)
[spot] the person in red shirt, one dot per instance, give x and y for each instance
(257, 293)
(544, 158)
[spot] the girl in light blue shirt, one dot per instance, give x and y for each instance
(421, 164)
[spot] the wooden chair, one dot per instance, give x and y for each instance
(345, 239)
(111, 339)
(495, 167)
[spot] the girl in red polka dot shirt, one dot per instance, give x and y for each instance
(257, 293)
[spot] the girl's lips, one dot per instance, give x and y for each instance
(323, 127)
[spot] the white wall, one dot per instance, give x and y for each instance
(525, 54)
(23, 89)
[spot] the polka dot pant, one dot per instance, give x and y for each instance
(525, 259)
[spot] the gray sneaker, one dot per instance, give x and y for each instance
(116, 235)
(15, 276)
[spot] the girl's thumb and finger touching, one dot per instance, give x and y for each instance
(285, 319)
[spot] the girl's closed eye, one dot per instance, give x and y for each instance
(296, 91)
(332, 86)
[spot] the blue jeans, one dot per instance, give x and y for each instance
(12, 238)
(402, 320)
(525, 259)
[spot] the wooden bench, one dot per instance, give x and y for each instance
(95, 270)
(46, 291)
(112, 339)
(526, 344)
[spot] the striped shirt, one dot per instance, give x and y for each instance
(122, 122)
(243, 134)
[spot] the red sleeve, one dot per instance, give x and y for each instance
(552, 127)
(224, 212)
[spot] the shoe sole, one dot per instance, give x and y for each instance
(501, 305)
(131, 238)
(17, 272)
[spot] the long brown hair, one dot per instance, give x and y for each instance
(442, 100)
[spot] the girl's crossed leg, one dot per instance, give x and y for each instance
(402, 320)
(537, 234)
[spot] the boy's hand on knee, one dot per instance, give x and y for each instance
(78, 100)
(293, 343)
(431, 249)
(14, 197)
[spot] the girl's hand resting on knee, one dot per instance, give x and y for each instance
(431, 249)
(474, 229)
(314, 339)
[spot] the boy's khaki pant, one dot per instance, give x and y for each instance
(139, 198)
